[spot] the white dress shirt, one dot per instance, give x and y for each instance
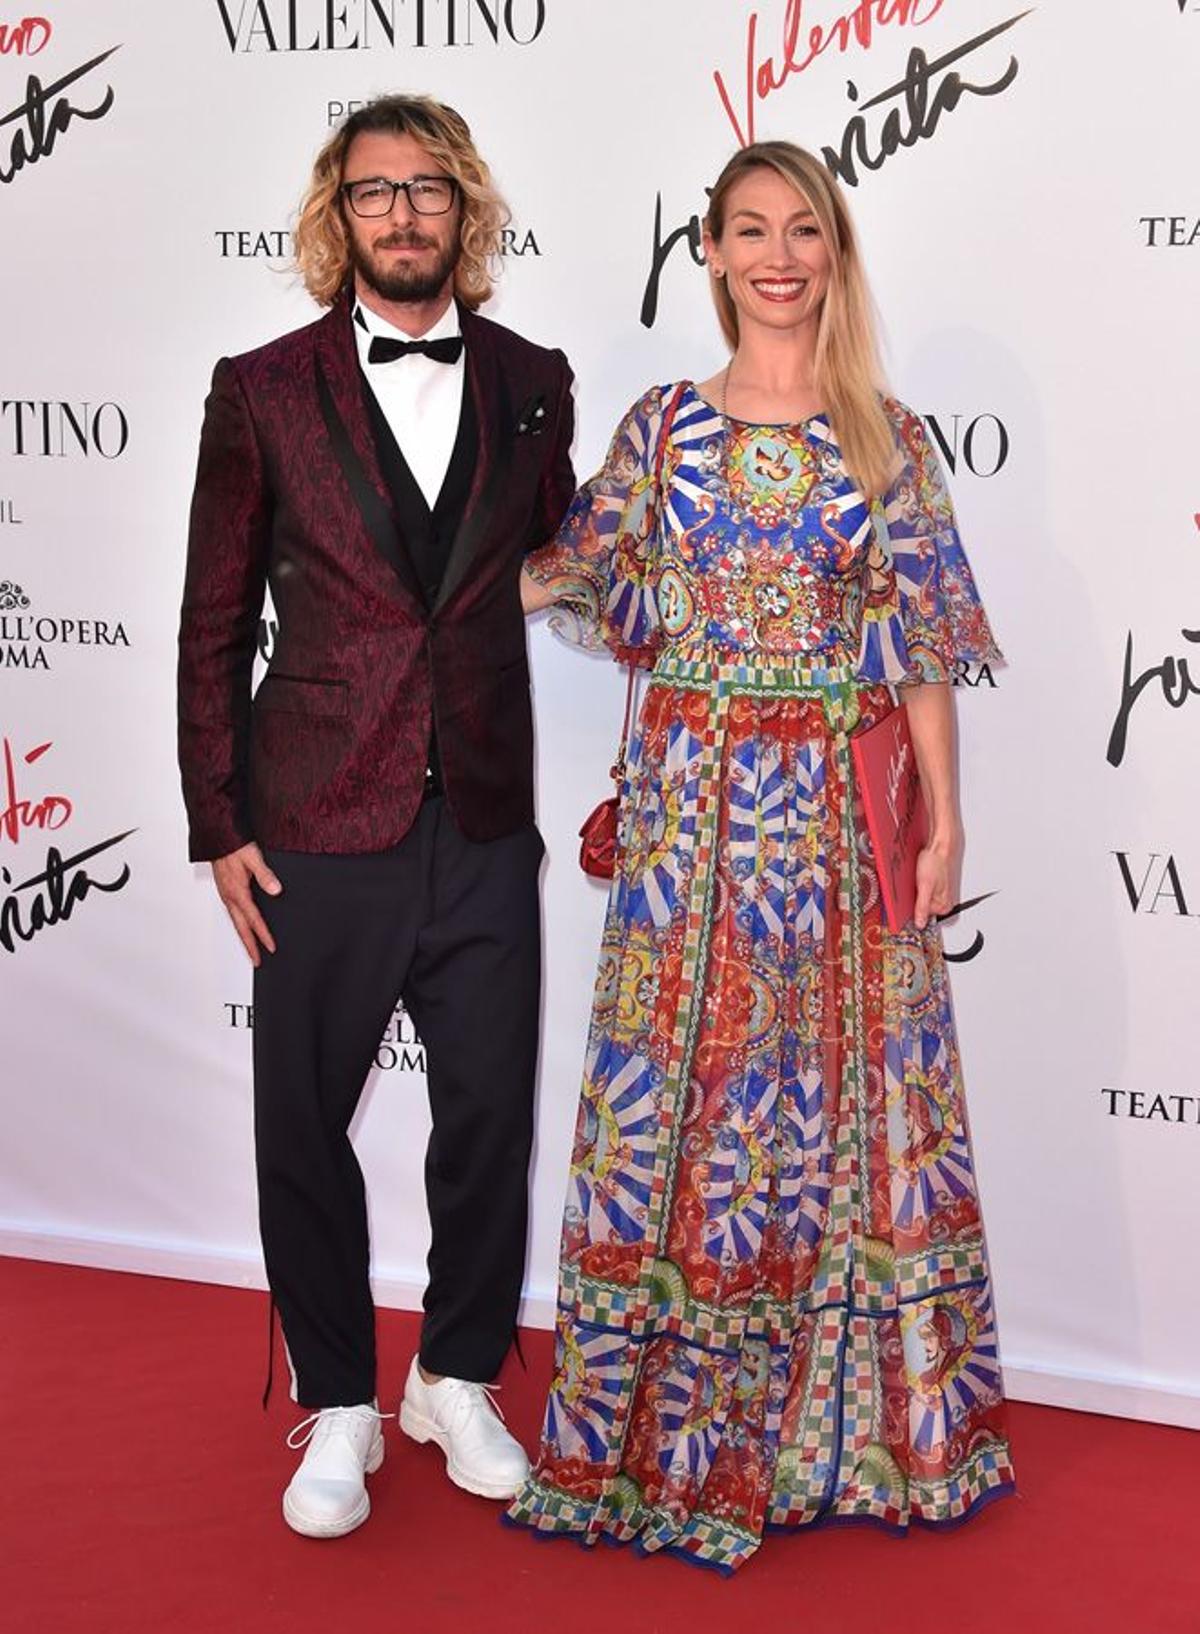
(420, 398)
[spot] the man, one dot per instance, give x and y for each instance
(369, 815)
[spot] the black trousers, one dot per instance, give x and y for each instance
(452, 928)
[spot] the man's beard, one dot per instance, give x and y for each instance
(405, 281)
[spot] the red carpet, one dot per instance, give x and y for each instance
(141, 1486)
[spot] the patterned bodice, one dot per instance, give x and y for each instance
(752, 542)
(765, 545)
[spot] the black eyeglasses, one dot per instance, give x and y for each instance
(426, 195)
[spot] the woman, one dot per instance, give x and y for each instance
(771, 1213)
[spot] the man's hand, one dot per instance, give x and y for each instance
(233, 875)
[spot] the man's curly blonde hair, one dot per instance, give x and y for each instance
(322, 250)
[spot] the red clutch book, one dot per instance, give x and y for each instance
(885, 764)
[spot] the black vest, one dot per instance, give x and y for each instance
(427, 535)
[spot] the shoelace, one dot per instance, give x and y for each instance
(307, 1428)
(467, 1395)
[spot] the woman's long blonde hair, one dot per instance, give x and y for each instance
(847, 374)
(322, 249)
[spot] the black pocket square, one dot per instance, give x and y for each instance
(531, 421)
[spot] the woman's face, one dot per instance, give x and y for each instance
(771, 253)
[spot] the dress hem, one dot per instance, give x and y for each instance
(588, 1540)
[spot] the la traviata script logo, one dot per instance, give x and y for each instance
(900, 115)
(962, 956)
(1175, 684)
(29, 131)
(363, 25)
(43, 890)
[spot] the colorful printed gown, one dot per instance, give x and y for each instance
(774, 1305)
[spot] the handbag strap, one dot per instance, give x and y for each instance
(617, 769)
(664, 432)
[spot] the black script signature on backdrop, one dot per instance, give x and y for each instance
(47, 112)
(57, 891)
(975, 946)
(924, 103)
(48, 897)
(1172, 674)
(928, 91)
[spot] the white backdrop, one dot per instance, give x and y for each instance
(1034, 254)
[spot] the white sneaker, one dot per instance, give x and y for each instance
(463, 1420)
(327, 1496)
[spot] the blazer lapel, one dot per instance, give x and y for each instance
(340, 393)
(493, 414)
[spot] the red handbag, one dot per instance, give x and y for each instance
(598, 836)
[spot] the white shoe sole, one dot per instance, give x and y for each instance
(299, 1522)
(421, 1429)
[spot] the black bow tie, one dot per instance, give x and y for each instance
(385, 350)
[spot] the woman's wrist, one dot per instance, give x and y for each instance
(946, 833)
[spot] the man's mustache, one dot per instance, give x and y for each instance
(405, 241)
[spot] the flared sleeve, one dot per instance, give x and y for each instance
(922, 613)
(600, 566)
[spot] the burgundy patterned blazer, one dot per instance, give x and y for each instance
(330, 754)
